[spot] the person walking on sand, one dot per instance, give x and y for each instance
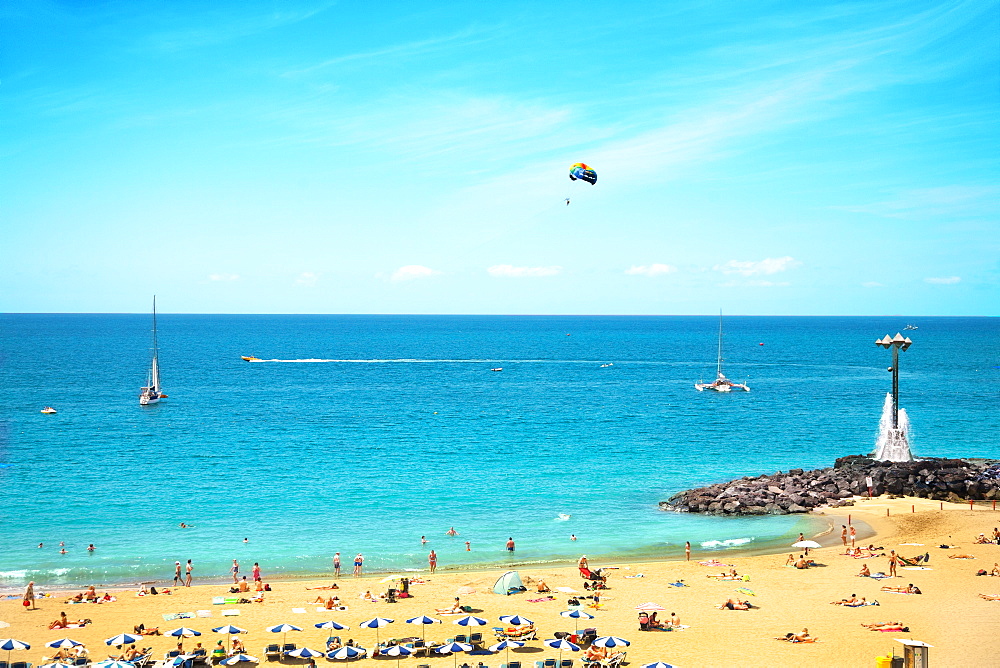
(687, 550)
(29, 595)
(893, 560)
(510, 544)
(843, 534)
(178, 579)
(358, 561)
(188, 569)
(336, 565)
(235, 570)
(854, 534)
(256, 571)
(432, 560)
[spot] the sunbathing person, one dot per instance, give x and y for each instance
(803, 636)
(238, 647)
(996, 569)
(675, 621)
(90, 594)
(865, 573)
(886, 626)
(735, 604)
(853, 600)
(960, 556)
(990, 597)
(790, 561)
(60, 623)
(143, 631)
(908, 589)
(455, 608)
(334, 644)
(595, 653)
(543, 588)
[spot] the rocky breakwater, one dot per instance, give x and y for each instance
(799, 491)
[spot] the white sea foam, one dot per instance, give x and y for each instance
(13, 574)
(732, 542)
(563, 517)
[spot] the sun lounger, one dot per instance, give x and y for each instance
(272, 652)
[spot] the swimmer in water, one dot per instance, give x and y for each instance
(451, 532)
(572, 536)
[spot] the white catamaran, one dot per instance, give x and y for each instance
(152, 393)
(721, 384)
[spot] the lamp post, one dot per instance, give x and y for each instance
(895, 343)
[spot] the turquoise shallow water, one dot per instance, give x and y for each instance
(409, 433)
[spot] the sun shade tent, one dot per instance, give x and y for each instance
(509, 583)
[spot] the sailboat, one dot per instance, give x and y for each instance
(152, 393)
(721, 384)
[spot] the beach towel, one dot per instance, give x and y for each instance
(679, 583)
(300, 611)
(744, 590)
(637, 575)
(204, 613)
(566, 590)
(917, 568)
(230, 613)
(539, 600)
(218, 600)
(713, 562)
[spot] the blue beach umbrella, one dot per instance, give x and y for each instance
(515, 620)
(611, 641)
(398, 651)
(469, 620)
(55, 665)
(305, 653)
(331, 625)
(375, 623)
(454, 648)
(182, 632)
(576, 615)
(10, 644)
(560, 644)
(347, 653)
(112, 663)
(506, 644)
(123, 639)
(229, 630)
(240, 658)
(282, 629)
(658, 664)
(63, 643)
(423, 620)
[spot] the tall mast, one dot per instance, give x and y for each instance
(155, 370)
(719, 367)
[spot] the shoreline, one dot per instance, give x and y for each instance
(823, 526)
(784, 600)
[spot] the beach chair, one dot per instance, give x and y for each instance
(476, 639)
(288, 647)
(549, 663)
(20, 664)
(272, 652)
(566, 663)
(4, 664)
(462, 638)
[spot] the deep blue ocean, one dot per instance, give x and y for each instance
(405, 431)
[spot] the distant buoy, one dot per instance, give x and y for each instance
(760, 344)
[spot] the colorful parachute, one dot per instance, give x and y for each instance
(582, 172)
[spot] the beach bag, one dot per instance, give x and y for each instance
(27, 603)
(267, 587)
(981, 572)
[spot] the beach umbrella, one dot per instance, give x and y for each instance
(305, 653)
(658, 664)
(182, 632)
(650, 607)
(123, 639)
(423, 620)
(112, 663)
(560, 644)
(228, 630)
(506, 644)
(282, 629)
(611, 641)
(347, 653)
(331, 626)
(807, 544)
(576, 615)
(10, 644)
(240, 658)
(469, 620)
(398, 651)
(515, 620)
(375, 623)
(63, 643)
(55, 665)
(454, 648)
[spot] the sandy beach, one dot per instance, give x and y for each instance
(949, 614)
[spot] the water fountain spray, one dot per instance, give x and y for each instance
(893, 443)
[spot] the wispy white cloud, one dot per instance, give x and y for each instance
(872, 284)
(307, 278)
(510, 271)
(943, 280)
(411, 272)
(755, 284)
(764, 267)
(651, 270)
(223, 277)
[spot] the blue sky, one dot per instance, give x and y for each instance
(401, 157)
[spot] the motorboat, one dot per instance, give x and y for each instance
(605, 366)
(499, 368)
(721, 383)
(910, 327)
(251, 358)
(152, 392)
(48, 410)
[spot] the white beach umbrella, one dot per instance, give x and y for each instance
(506, 645)
(454, 648)
(228, 630)
(560, 644)
(10, 644)
(397, 651)
(611, 641)
(347, 653)
(55, 665)
(469, 620)
(811, 544)
(240, 658)
(123, 639)
(658, 664)
(515, 620)
(305, 653)
(282, 629)
(182, 632)
(423, 620)
(651, 607)
(63, 643)
(576, 615)
(376, 623)
(112, 663)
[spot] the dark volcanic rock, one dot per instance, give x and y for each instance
(799, 491)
